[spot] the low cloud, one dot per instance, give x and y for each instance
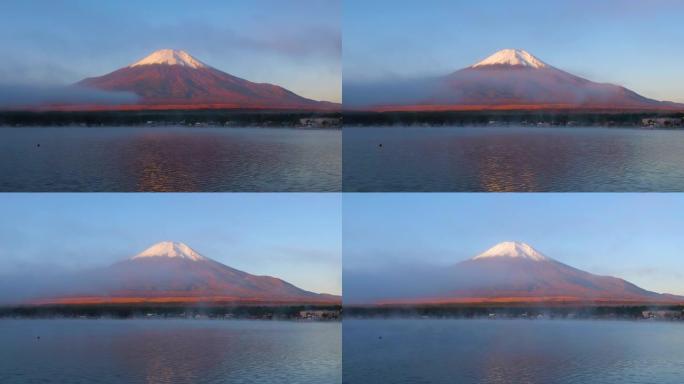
(14, 96)
(395, 91)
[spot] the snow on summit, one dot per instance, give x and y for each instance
(170, 249)
(512, 249)
(514, 57)
(170, 57)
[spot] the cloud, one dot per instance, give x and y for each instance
(66, 51)
(308, 255)
(388, 91)
(12, 96)
(311, 41)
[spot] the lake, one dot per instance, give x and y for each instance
(169, 351)
(492, 159)
(512, 351)
(181, 159)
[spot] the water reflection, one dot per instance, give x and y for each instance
(512, 351)
(512, 159)
(170, 159)
(168, 356)
(169, 351)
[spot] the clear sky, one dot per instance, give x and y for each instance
(296, 237)
(294, 43)
(637, 237)
(634, 43)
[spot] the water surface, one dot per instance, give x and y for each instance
(169, 351)
(512, 351)
(476, 159)
(127, 159)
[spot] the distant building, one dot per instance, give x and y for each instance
(662, 122)
(319, 315)
(320, 122)
(662, 314)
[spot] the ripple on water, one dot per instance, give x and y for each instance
(512, 159)
(169, 159)
(169, 351)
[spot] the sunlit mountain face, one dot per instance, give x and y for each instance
(507, 80)
(173, 79)
(172, 272)
(509, 272)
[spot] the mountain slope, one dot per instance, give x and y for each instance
(510, 79)
(509, 272)
(513, 270)
(174, 79)
(174, 272)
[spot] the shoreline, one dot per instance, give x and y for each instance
(196, 311)
(304, 321)
(515, 126)
(187, 118)
(541, 118)
(177, 126)
(645, 312)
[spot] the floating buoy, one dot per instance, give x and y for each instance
(380, 145)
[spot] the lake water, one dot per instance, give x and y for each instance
(512, 351)
(127, 159)
(169, 351)
(569, 159)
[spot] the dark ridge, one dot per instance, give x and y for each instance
(626, 312)
(212, 311)
(210, 117)
(465, 118)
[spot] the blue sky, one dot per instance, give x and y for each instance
(633, 43)
(296, 237)
(637, 237)
(294, 43)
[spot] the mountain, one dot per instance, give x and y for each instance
(508, 79)
(173, 79)
(173, 272)
(511, 272)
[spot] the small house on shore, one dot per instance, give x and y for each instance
(662, 122)
(319, 314)
(663, 314)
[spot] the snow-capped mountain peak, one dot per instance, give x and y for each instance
(170, 57)
(512, 249)
(513, 57)
(170, 249)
